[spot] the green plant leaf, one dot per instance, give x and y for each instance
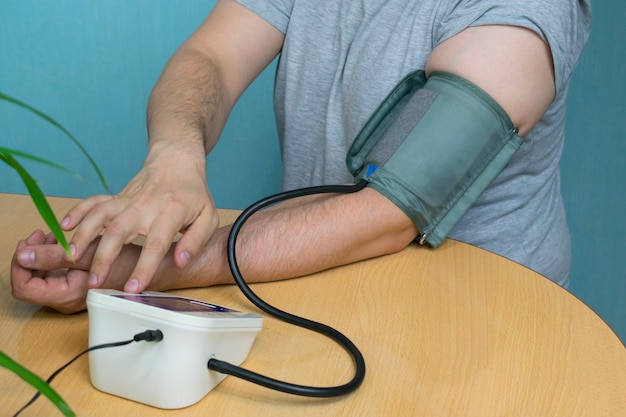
(38, 383)
(62, 129)
(40, 201)
(35, 158)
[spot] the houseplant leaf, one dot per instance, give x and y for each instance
(61, 128)
(35, 158)
(38, 383)
(39, 199)
(8, 156)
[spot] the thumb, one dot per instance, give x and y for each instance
(48, 257)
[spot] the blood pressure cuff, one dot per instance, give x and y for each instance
(432, 146)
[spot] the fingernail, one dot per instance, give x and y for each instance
(132, 285)
(73, 250)
(65, 222)
(26, 257)
(184, 258)
(93, 280)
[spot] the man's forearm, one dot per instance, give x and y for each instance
(188, 104)
(293, 239)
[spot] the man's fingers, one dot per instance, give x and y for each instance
(50, 239)
(80, 210)
(46, 257)
(195, 237)
(156, 245)
(100, 213)
(39, 252)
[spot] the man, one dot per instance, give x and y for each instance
(338, 61)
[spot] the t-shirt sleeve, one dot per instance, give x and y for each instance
(275, 12)
(563, 24)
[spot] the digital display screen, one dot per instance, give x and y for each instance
(177, 304)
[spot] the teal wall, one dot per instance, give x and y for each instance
(594, 167)
(91, 65)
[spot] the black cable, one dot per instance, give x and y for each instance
(227, 368)
(148, 336)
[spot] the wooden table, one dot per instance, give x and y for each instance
(455, 331)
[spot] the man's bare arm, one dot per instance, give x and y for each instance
(513, 64)
(298, 238)
(187, 112)
(327, 231)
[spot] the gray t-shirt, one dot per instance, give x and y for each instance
(340, 59)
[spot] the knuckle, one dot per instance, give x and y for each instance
(118, 229)
(99, 266)
(173, 207)
(102, 209)
(155, 246)
(21, 293)
(115, 229)
(15, 292)
(101, 262)
(95, 204)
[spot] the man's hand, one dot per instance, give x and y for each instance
(169, 195)
(41, 274)
(187, 111)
